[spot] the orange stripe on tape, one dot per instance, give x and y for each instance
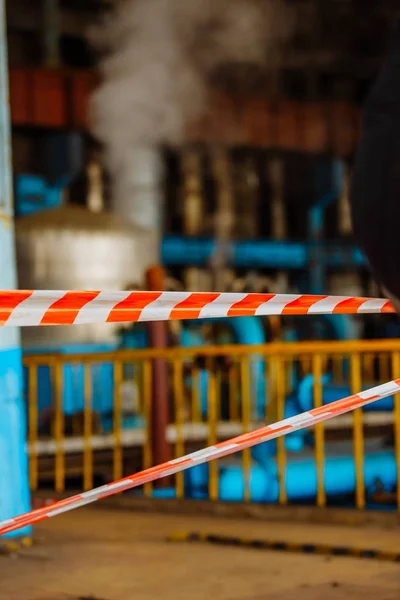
(388, 308)
(301, 305)
(349, 305)
(249, 305)
(274, 430)
(345, 404)
(33, 521)
(252, 436)
(151, 474)
(65, 310)
(9, 302)
(130, 309)
(191, 307)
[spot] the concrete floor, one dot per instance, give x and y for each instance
(109, 555)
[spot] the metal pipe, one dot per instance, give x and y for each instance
(95, 194)
(181, 251)
(193, 201)
(158, 338)
(138, 197)
(316, 230)
(319, 433)
(358, 432)
(52, 29)
(192, 210)
(246, 209)
(345, 224)
(276, 176)
(223, 218)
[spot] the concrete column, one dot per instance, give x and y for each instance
(14, 483)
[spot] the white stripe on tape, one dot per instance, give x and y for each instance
(8, 522)
(201, 455)
(277, 304)
(221, 305)
(148, 478)
(386, 389)
(372, 306)
(326, 305)
(105, 489)
(324, 415)
(100, 306)
(30, 311)
(292, 421)
(162, 307)
(64, 508)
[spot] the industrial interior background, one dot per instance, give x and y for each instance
(190, 146)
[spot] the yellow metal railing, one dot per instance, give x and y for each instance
(207, 404)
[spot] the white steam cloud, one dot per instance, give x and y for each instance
(158, 58)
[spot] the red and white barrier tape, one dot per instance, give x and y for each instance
(269, 432)
(27, 308)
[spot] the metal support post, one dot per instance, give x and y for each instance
(14, 487)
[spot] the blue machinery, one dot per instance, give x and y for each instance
(33, 193)
(312, 256)
(14, 488)
(300, 477)
(181, 251)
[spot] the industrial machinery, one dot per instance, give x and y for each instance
(235, 219)
(70, 247)
(66, 240)
(255, 219)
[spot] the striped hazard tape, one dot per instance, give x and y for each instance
(246, 440)
(281, 546)
(29, 308)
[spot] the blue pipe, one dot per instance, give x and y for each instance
(14, 488)
(332, 392)
(247, 331)
(196, 478)
(301, 478)
(34, 194)
(73, 396)
(180, 251)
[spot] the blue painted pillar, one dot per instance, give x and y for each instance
(14, 482)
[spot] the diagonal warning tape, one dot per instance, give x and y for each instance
(246, 440)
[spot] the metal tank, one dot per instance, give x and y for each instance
(71, 247)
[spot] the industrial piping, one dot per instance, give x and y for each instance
(181, 251)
